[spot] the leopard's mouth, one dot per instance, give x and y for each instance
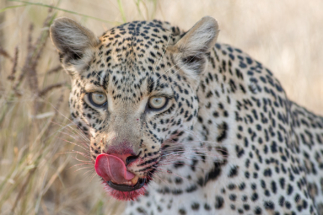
(118, 181)
(126, 191)
(128, 188)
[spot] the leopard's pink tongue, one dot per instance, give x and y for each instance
(110, 167)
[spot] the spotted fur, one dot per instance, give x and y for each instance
(228, 141)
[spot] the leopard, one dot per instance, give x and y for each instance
(178, 123)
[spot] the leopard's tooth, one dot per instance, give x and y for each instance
(135, 180)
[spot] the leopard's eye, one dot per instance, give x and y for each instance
(157, 103)
(97, 99)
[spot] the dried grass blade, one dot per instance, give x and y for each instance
(54, 70)
(22, 190)
(5, 54)
(43, 92)
(11, 77)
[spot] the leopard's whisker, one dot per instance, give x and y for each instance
(76, 144)
(82, 168)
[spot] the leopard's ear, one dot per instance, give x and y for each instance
(189, 51)
(74, 42)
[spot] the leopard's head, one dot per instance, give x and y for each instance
(133, 93)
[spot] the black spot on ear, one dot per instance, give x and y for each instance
(192, 59)
(195, 63)
(61, 56)
(183, 34)
(76, 56)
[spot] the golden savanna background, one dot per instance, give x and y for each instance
(43, 166)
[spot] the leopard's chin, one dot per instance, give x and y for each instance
(124, 192)
(127, 188)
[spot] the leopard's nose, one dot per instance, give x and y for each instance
(131, 159)
(127, 158)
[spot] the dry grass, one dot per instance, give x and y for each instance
(35, 132)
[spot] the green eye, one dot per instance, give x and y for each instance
(157, 102)
(97, 99)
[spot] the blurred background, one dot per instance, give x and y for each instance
(44, 167)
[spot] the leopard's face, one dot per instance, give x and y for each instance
(132, 111)
(133, 94)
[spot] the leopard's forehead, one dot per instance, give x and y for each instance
(134, 44)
